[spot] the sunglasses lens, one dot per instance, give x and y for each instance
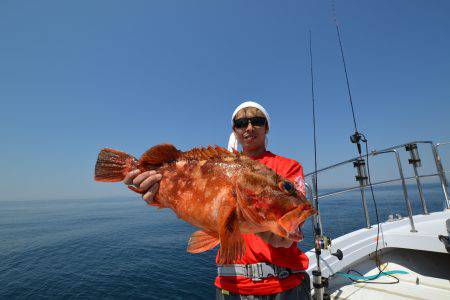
(258, 121)
(243, 122)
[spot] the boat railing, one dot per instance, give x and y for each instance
(360, 164)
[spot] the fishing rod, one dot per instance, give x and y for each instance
(357, 137)
(360, 164)
(317, 230)
(320, 241)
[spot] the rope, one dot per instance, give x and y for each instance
(371, 277)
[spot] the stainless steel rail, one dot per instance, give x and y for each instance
(402, 178)
(373, 184)
(363, 198)
(441, 173)
(439, 168)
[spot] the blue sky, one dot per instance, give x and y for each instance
(79, 76)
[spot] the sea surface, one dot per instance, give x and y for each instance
(121, 248)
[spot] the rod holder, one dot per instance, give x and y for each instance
(414, 154)
(319, 284)
(440, 170)
(360, 165)
(416, 163)
(361, 177)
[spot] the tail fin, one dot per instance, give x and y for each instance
(113, 165)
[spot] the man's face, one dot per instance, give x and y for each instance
(252, 136)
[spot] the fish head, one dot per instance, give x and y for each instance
(269, 202)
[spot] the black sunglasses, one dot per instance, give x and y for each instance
(255, 121)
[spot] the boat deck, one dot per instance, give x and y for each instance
(426, 278)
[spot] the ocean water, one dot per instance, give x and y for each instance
(121, 248)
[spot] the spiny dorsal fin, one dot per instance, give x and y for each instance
(203, 153)
(159, 154)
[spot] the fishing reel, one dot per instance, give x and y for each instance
(323, 242)
(356, 138)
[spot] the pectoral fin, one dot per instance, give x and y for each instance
(247, 211)
(232, 244)
(201, 241)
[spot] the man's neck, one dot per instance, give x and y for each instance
(255, 152)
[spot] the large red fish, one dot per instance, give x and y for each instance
(223, 193)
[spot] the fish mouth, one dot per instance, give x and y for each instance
(294, 219)
(296, 235)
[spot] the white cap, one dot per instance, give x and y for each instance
(233, 143)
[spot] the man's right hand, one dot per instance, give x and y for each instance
(146, 181)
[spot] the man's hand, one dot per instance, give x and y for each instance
(146, 181)
(275, 240)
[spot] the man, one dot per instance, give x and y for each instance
(278, 256)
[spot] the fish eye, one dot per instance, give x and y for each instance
(287, 187)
